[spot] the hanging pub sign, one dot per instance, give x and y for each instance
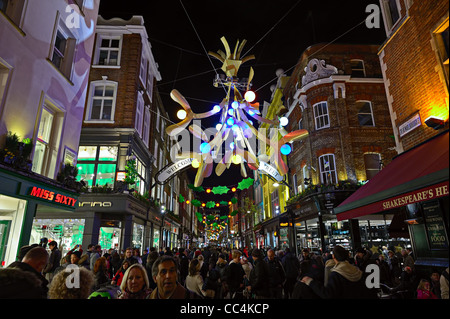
(270, 170)
(434, 223)
(51, 196)
(171, 170)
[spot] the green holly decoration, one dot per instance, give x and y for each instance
(233, 200)
(219, 190)
(199, 216)
(196, 189)
(223, 217)
(196, 203)
(245, 183)
(223, 203)
(210, 204)
(234, 212)
(181, 199)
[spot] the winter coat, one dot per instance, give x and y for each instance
(345, 281)
(30, 278)
(235, 276)
(258, 279)
(143, 294)
(100, 279)
(53, 261)
(291, 266)
(184, 266)
(212, 282)
(276, 273)
(444, 284)
(425, 294)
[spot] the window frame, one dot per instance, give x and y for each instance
(96, 162)
(389, 24)
(16, 18)
(324, 173)
(92, 87)
(99, 47)
(371, 113)
(371, 169)
(68, 56)
(139, 118)
(318, 117)
(363, 70)
(146, 126)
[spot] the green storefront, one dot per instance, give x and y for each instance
(23, 195)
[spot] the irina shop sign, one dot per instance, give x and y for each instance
(52, 196)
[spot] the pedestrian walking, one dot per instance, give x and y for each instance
(276, 274)
(59, 289)
(259, 286)
(183, 264)
(291, 266)
(96, 254)
(194, 281)
(100, 271)
(23, 279)
(118, 277)
(135, 283)
(53, 261)
(344, 282)
(444, 284)
(235, 276)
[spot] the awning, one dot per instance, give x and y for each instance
(416, 175)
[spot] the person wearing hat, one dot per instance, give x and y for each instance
(345, 281)
(361, 258)
(53, 261)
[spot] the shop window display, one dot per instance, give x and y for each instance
(66, 232)
(110, 237)
(97, 165)
(138, 236)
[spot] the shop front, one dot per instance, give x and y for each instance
(22, 196)
(116, 221)
(414, 189)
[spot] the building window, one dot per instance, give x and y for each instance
(4, 76)
(102, 101)
(97, 165)
(365, 114)
(13, 9)
(146, 126)
(150, 85)
(391, 12)
(442, 49)
(143, 70)
(109, 50)
(63, 50)
(47, 141)
(139, 114)
(306, 178)
(372, 163)
(294, 180)
(142, 173)
(358, 70)
(275, 203)
(321, 115)
(158, 115)
(327, 169)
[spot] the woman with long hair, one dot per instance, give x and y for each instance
(101, 273)
(135, 283)
(118, 277)
(194, 281)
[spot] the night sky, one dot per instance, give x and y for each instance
(277, 32)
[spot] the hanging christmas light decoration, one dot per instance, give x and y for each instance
(235, 113)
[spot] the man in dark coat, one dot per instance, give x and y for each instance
(27, 281)
(277, 275)
(54, 260)
(291, 266)
(344, 282)
(184, 265)
(259, 284)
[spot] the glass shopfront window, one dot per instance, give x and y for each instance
(375, 233)
(138, 236)
(110, 238)
(66, 232)
(156, 237)
(12, 211)
(337, 233)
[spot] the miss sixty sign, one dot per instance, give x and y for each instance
(52, 197)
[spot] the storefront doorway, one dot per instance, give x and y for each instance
(12, 211)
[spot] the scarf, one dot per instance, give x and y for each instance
(348, 271)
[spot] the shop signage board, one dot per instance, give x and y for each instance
(409, 125)
(434, 224)
(270, 170)
(52, 196)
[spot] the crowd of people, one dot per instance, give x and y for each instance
(214, 273)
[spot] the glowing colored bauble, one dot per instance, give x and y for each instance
(208, 191)
(231, 112)
(219, 127)
(205, 148)
(249, 96)
(233, 189)
(217, 204)
(232, 146)
(230, 122)
(236, 159)
(286, 149)
(187, 202)
(181, 114)
(203, 204)
(195, 163)
(235, 128)
(235, 105)
(216, 108)
(284, 121)
(229, 203)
